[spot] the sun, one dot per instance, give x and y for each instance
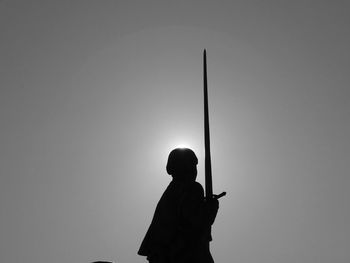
(182, 145)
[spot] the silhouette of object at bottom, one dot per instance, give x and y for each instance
(180, 228)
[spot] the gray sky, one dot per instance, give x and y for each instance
(94, 95)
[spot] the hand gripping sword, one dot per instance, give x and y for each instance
(208, 174)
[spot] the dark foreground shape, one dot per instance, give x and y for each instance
(180, 228)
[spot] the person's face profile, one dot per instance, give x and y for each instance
(190, 171)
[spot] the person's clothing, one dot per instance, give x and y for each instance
(180, 228)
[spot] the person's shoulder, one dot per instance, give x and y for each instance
(197, 185)
(197, 188)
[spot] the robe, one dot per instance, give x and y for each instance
(181, 226)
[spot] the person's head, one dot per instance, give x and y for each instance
(182, 164)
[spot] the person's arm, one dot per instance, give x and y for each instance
(196, 211)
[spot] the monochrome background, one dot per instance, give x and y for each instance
(94, 95)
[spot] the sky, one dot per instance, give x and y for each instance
(95, 94)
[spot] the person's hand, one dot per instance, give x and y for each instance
(212, 206)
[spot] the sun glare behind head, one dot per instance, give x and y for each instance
(183, 145)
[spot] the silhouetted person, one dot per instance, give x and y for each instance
(180, 228)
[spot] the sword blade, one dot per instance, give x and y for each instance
(208, 174)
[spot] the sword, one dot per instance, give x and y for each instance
(208, 174)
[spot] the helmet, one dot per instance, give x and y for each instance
(181, 160)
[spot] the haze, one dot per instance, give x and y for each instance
(94, 95)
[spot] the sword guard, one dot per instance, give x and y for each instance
(220, 195)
